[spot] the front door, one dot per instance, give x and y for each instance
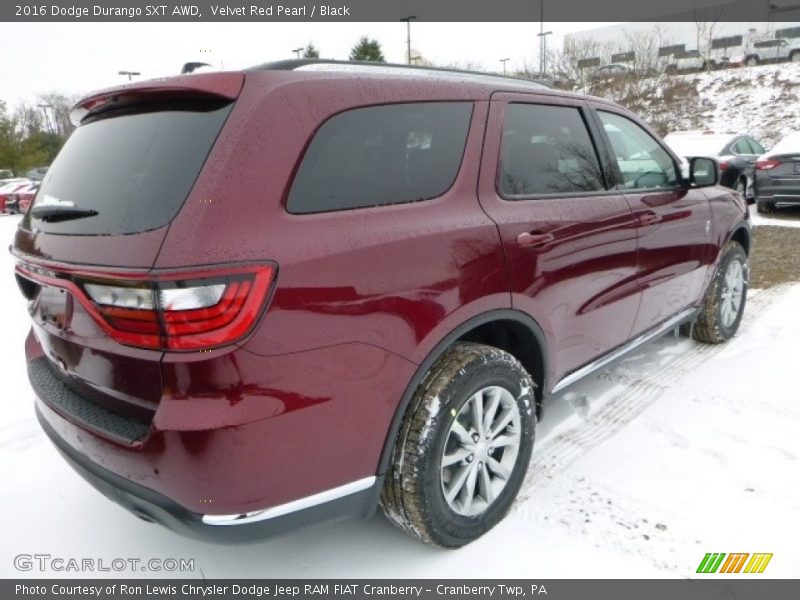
(674, 222)
(569, 240)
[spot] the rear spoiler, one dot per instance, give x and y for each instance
(222, 85)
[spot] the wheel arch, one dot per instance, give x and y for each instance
(510, 330)
(742, 235)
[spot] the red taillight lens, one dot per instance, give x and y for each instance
(174, 311)
(767, 164)
(723, 165)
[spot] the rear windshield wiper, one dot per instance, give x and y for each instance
(54, 214)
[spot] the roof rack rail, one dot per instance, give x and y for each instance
(309, 64)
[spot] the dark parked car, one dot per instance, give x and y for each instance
(610, 71)
(778, 175)
(737, 154)
(410, 263)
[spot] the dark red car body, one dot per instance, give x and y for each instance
(362, 302)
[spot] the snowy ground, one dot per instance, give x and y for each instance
(680, 450)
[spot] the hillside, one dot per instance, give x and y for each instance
(763, 100)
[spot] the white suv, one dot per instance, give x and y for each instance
(772, 51)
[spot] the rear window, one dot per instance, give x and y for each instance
(135, 167)
(381, 155)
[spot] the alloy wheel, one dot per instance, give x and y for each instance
(480, 451)
(732, 293)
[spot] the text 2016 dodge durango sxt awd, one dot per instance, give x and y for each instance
(265, 298)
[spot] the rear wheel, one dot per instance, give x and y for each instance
(723, 305)
(795, 56)
(463, 447)
(752, 61)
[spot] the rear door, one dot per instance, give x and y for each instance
(674, 222)
(569, 240)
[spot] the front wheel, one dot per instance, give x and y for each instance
(752, 61)
(463, 447)
(723, 305)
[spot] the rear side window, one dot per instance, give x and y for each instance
(755, 147)
(547, 150)
(742, 147)
(135, 167)
(381, 155)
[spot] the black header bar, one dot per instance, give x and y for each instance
(394, 10)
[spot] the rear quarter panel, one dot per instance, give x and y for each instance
(397, 277)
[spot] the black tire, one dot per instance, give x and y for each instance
(413, 497)
(710, 326)
(751, 61)
(764, 207)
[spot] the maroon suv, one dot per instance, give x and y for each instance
(266, 298)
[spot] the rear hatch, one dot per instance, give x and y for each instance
(778, 177)
(86, 247)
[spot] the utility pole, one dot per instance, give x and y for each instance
(504, 61)
(543, 63)
(542, 41)
(408, 36)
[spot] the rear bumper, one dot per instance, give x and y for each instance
(241, 446)
(785, 199)
(149, 505)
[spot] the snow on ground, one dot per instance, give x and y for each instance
(777, 219)
(679, 450)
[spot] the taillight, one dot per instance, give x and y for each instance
(723, 165)
(172, 311)
(767, 164)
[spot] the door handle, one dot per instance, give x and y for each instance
(527, 238)
(649, 218)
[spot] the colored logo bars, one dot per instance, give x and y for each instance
(713, 563)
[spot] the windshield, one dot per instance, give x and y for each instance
(706, 145)
(129, 171)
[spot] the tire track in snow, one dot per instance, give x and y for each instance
(603, 515)
(630, 392)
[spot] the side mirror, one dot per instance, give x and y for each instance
(703, 172)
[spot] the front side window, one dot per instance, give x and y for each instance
(643, 163)
(381, 155)
(547, 150)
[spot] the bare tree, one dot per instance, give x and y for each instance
(706, 20)
(59, 107)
